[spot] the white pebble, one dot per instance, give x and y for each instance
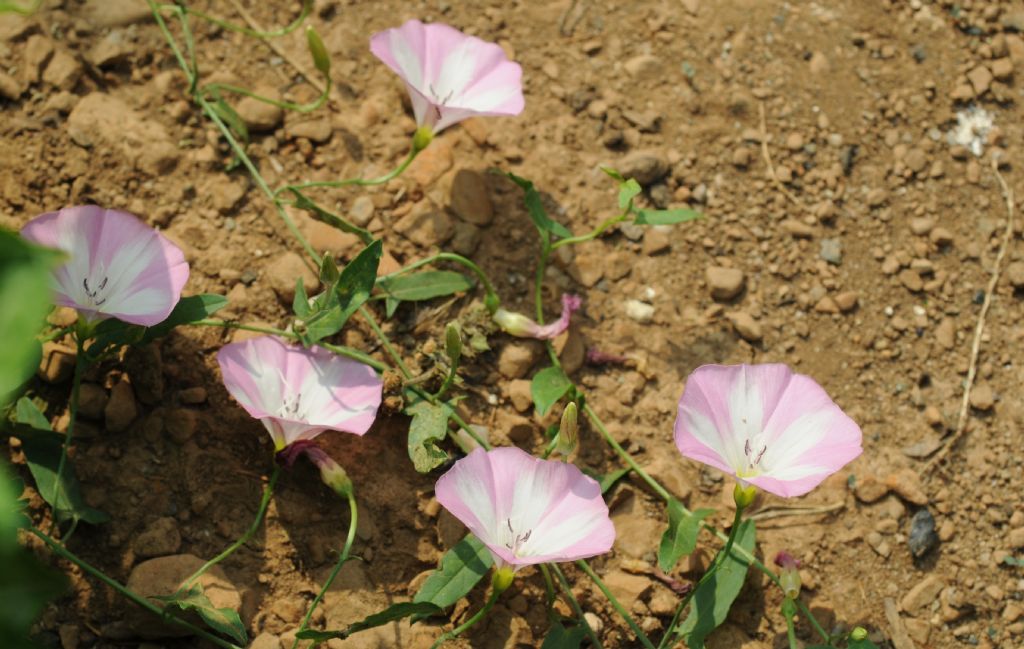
(639, 311)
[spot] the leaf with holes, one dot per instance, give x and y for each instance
(390, 614)
(628, 190)
(428, 427)
(713, 598)
(680, 539)
(222, 620)
(461, 568)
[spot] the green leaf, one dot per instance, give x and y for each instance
(860, 644)
(12, 508)
(329, 270)
(300, 303)
(390, 614)
(189, 309)
(42, 448)
(424, 286)
(614, 174)
(25, 290)
(461, 568)
(320, 214)
(608, 480)
(390, 306)
(222, 620)
(547, 387)
(559, 637)
(680, 538)
(666, 217)
(1014, 561)
(713, 598)
(535, 207)
(628, 190)
(428, 427)
(357, 279)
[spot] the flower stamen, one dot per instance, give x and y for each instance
(518, 539)
(92, 293)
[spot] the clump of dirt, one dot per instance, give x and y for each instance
(850, 230)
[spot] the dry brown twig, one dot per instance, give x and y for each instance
(972, 369)
(768, 160)
(899, 636)
(783, 510)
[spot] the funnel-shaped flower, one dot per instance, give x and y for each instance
(516, 324)
(118, 267)
(450, 76)
(527, 510)
(766, 425)
(298, 393)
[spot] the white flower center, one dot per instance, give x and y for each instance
(518, 540)
(754, 449)
(290, 407)
(94, 291)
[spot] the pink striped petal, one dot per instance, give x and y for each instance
(117, 265)
(298, 393)
(450, 76)
(765, 425)
(527, 510)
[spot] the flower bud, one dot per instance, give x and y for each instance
(422, 138)
(859, 634)
(789, 576)
(568, 431)
(515, 324)
(321, 59)
(743, 495)
(331, 472)
(453, 343)
(502, 578)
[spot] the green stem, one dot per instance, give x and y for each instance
(307, 7)
(268, 491)
(388, 347)
(76, 387)
(549, 593)
(342, 559)
(446, 256)
(595, 233)
(20, 10)
(448, 381)
(637, 631)
(215, 88)
(626, 457)
(791, 632)
(63, 552)
(155, 9)
(575, 605)
(457, 631)
(362, 182)
(461, 423)
(57, 333)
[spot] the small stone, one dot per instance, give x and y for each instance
(432, 163)
(113, 48)
(159, 539)
(314, 130)
(519, 394)
(941, 237)
(869, 489)
(1016, 538)
(826, 305)
(982, 397)
(741, 157)
(916, 160)
(655, 242)
(980, 78)
(282, 275)
(260, 116)
(798, 229)
(9, 87)
(426, 225)
(911, 279)
(923, 447)
(923, 594)
(945, 333)
(225, 194)
(643, 66)
(181, 424)
(92, 399)
(1002, 69)
(922, 538)
(469, 198)
(877, 197)
(516, 359)
(921, 225)
(794, 141)
(162, 576)
(746, 326)
(116, 13)
(266, 641)
(193, 396)
(847, 301)
(639, 311)
(724, 283)
(57, 364)
(907, 484)
(120, 410)
(626, 587)
(466, 239)
(63, 70)
(832, 251)
(646, 167)
(947, 530)
(70, 636)
(361, 212)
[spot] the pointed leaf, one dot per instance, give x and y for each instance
(628, 190)
(300, 303)
(390, 614)
(428, 427)
(608, 480)
(390, 306)
(302, 202)
(222, 620)
(461, 568)
(680, 538)
(666, 217)
(560, 637)
(547, 387)
(713, 598)
(189, 309)
(424, 286)
(535, 207)
(357, 279)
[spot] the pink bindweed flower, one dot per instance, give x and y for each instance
(527, 510)
(450, 76)
(766, 425)
(516, 324)
(118, 267)
(299, 393)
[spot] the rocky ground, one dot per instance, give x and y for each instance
(860, 255)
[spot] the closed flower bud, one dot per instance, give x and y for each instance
(453, 343)
(789, 576)
(321, 59)
(568, 431)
